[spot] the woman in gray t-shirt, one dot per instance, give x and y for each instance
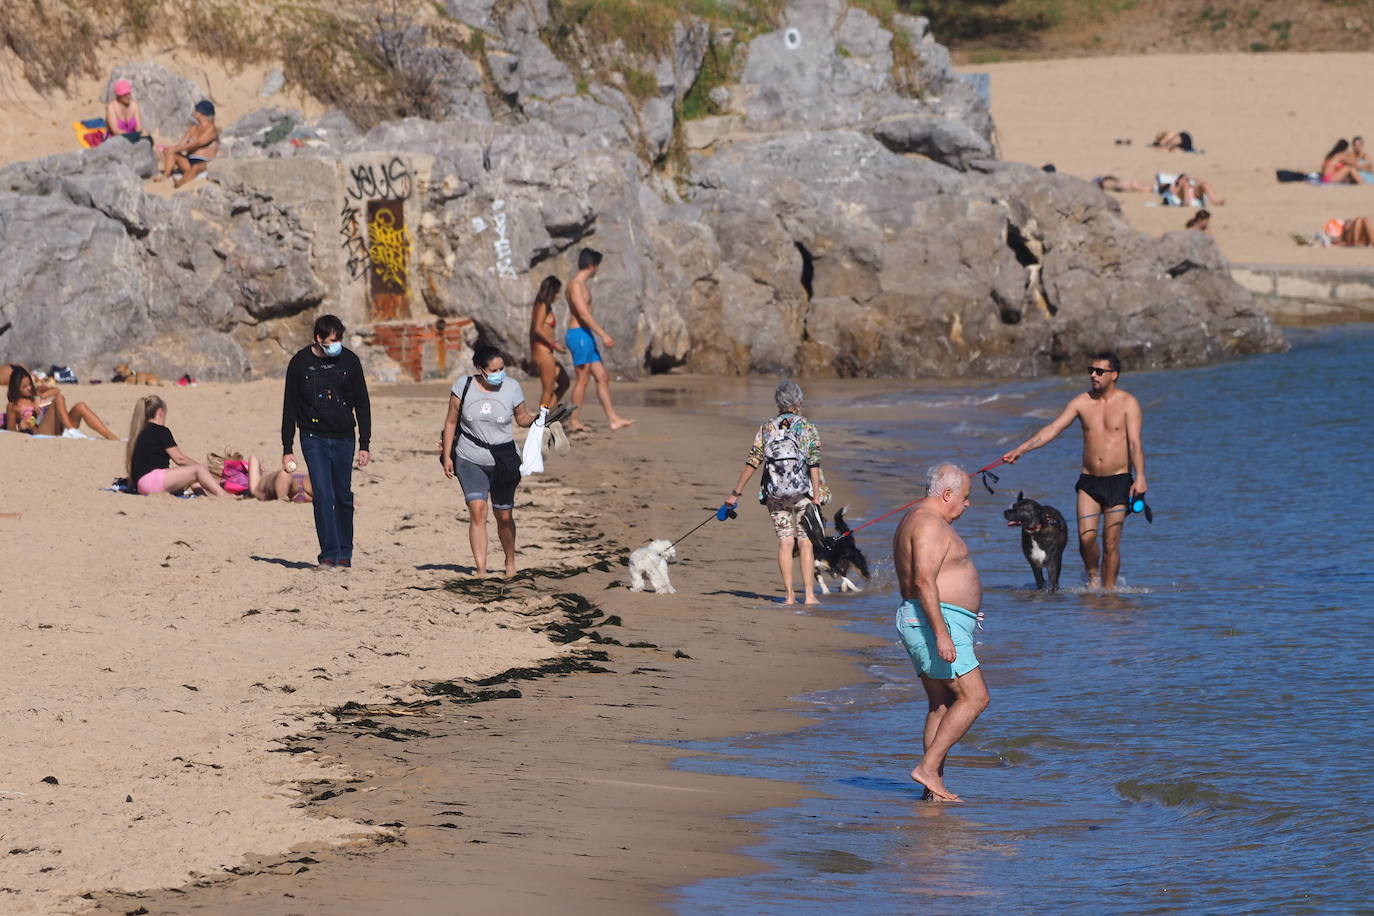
(479, 449)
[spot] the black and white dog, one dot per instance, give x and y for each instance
(1043, 536)
(835, 556)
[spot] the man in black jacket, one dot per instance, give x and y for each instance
(325, 388)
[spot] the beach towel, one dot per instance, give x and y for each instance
(90, 133)
(278, 132)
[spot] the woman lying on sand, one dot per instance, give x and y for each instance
(1179, 140)
(152, 451)
(1187, 191)
(1112, 183)
(46, 414)
(292, 487)
(1351, 233)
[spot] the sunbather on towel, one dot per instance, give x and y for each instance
(1338, 165)
(152, 451)
(192, 154)
(122, 117)
(294, 487)
(45, 414)
(1173, 140)
(1359, 159)
(1350, 233)
(1187, 191)
(1113, 183)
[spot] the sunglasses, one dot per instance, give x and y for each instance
(1096, 371)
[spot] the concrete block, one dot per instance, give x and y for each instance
(1299, 288)
(1358, 290)
(1253, 280)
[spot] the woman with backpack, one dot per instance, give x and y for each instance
(478, 447)
(788, 447)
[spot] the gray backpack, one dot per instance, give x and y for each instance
(786, 478)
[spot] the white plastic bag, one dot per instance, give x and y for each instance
(532, 456)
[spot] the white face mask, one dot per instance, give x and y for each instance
(332, 349)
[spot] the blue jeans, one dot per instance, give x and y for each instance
(330, 462)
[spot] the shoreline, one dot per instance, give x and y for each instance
(553, 780)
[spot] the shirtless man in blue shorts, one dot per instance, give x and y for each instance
(1111, 451)
(581, 344)
(941, 595)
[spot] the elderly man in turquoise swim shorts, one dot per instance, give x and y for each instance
(941, 595)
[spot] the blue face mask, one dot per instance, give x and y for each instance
(332, 349)
(496, 378)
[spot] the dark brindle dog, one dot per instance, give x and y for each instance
(1043, 536)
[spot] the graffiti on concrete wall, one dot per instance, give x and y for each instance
(380, 181)
(389, 250)
(365, 186)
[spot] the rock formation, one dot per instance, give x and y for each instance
(841, 212)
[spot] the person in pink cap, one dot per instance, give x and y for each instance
(122, 118)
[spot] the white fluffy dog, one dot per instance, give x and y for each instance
(651, 563)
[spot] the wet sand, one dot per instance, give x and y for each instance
(150, 676)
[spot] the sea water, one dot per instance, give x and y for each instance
(1200, 741)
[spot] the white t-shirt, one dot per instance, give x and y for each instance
(488, 415)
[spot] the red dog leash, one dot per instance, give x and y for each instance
(985, 472)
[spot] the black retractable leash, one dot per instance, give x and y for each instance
(725, 511)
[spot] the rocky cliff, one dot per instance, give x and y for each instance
(834, 207)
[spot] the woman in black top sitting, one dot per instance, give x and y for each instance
(152, 451)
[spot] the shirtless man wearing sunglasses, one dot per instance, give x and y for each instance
(1112, 450)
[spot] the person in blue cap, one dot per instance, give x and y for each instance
(192, 154)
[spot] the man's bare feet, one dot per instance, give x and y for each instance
(935, 786)
(621, 423)
(576, 427)
(510, 570)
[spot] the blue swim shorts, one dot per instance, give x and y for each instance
(582, 346)
(919, 640)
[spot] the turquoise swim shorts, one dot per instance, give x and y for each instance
(919, 639)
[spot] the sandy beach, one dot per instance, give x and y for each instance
(1251, 113)
(171, 659)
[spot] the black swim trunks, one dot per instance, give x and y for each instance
(1107, 491)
